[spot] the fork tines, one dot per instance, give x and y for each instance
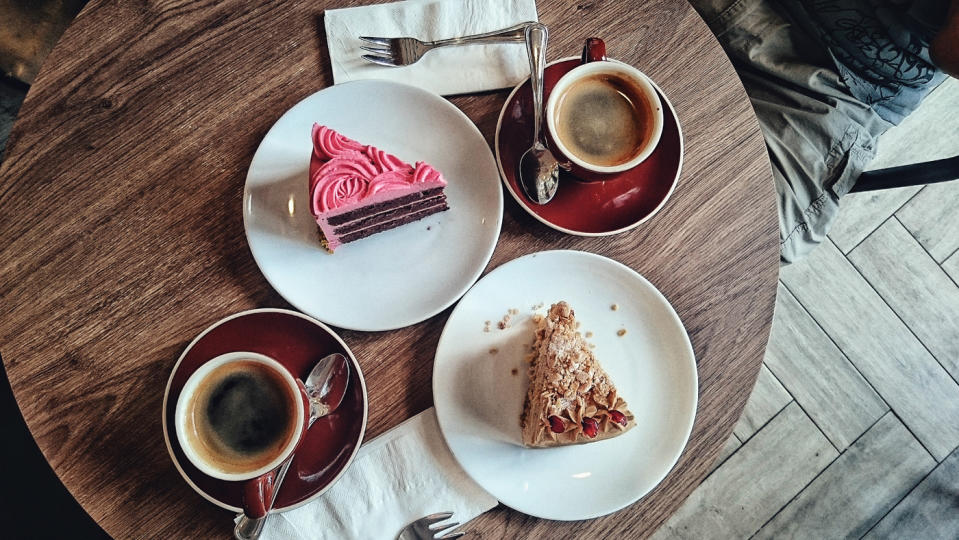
(438, 528)
(381, 60)
(376, 40)
(382, 49)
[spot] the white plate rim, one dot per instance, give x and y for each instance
(686, 429)
(477, 272)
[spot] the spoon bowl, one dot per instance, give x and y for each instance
(325, 387)
(538, 168)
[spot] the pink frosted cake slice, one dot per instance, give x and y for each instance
(357, 190)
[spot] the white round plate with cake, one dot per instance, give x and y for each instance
(604, 422)
(399, 257)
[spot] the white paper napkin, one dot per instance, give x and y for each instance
(445, 71)
(402, 475)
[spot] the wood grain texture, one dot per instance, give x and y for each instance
(121, 236)
(929, 511)
(752, 485)
(951, 266)
(885, 463)
(730, 448)
(882, 348)
(861, 213)
(914, 286)
(819, 376)
(767, 398)
(932, 217)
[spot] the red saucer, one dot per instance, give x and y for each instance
(617, 204)
(297, 342)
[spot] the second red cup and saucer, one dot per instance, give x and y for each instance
(297, 342)
(596, 208)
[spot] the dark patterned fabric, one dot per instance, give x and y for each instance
(881, 49)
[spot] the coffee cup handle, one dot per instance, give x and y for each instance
(593, 51)
(258, 492)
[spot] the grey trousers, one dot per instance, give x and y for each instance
(819, 137)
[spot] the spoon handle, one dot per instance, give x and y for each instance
(536, 36)
(250, 528)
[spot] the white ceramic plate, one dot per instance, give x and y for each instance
(398, 277)
(479, 400)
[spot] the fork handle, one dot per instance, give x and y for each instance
(513, 34)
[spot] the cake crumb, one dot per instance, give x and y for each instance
(537, 306)
(486, 327)
(429, 228)
(621, 332)
(514, 371)
(589, 334)
(503, 324)
(614, 307)
(537, 318)
(592, 345)
(494, 350)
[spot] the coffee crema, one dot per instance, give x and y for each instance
(242, 416)
(603, 119)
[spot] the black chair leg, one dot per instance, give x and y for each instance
(930, 172)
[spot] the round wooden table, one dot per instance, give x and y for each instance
(121, 237)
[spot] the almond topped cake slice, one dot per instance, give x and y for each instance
(571, 399)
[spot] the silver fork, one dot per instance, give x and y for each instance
(403, 51)
(430, 528)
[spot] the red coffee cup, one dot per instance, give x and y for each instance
(603, 117)
(230, 437)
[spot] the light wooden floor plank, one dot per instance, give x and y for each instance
(862, 213)
(730, 448)
(857, 489)
(933, 218)
(951, 266)
(768, 398)
(928, 133)
(819, 376)
(930, 511)
(881, 347)
(915, 287)
(753, 484)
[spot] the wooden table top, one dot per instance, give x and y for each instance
(121, 237)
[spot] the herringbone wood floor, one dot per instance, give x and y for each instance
(853, 427)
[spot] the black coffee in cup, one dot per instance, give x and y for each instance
(603, 119)
(242, 416)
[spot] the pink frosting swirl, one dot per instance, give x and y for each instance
(386, 162)
(344, 172)
(390, 180)
(328, 144)
(339, 182)
(426, 173)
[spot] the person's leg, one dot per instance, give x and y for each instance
(819, 137)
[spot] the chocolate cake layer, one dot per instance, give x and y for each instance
(390, 215)
(402, 220)
(384, 206)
